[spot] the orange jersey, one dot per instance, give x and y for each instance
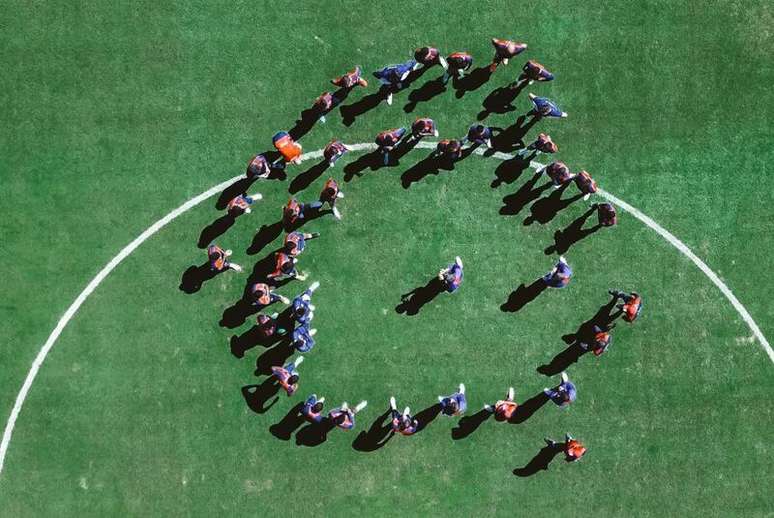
(216, 256)
(632, 309)
(288, 148)
(505, 409)
(574, 450)
(330, 190)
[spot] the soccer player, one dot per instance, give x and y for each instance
(458, 63)
(600, 342)
(544, 107)
(219, 259)
(295, 242)
(503, 409)
(312, 409)
(287, 375)
(606, 215)
(450, 149)
(572, 448)
(302, 340)
(241, 204)
(632, 304)
(564, 393)
(451, 276)
(542, 144)
(323, 104)
(344, 417)
(258, 167)
(478, 135)
(505, 50)
(429, 56)
(302, 309)
(531, 72)
(423, 127)
(559, 276)
(387, 140)
(333, 151)
(558, 172)
(267, 325)
(294, 212)
(350, 80)
(393, 76)
(288, 148)
(329, 194)
(585, 184)
(455, 404)
(285, 267)
(402, 423)
(263, 296)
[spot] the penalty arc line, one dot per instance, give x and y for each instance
(153, 229)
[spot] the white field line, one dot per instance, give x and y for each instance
(150, 231)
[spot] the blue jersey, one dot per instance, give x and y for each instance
(453, 278)
(308, 410)
(479, 133)
(561, 277)
(302, 340)
(546, 108)
(300, 307)
(459, 398)
(394, 74)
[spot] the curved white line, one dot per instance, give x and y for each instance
(150, 231)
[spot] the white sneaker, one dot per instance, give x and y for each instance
(389, 100)
(336, 213)
(462, 388)
(393, 404)
(235, 267)
(458, 261)
(360, 406)
(314, 286)
(489, 408)
(586, 198)
(298, 361)
(564, 376)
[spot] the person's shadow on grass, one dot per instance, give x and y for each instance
(414, 300)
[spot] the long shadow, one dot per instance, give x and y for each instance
(273, 357)
(424, 93)
(500, 101)
(469, 424)
(546, 209)
(603, 318)
(215, 229)
(426, 416)
(195, 276)
(314, 434)
(512, 137)
(240, 344)
(377, 435)
(266, 234)
(427, 166)
(305, 179)
(525, 410)
(350, 112)
(565, 238)
(539, 462)
(523, 295)
(373, 161)
(304, 124)
(256, 396)
(563, 360)
(471, 81)
(527, 193)
(414, 300)
(284, 429)
(510, 170)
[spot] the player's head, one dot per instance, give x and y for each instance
(317, 407)
(293, 379)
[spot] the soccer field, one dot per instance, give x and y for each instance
(116, 114)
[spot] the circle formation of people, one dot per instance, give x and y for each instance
(294, 324)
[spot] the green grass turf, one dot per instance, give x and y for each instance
(114, 115)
